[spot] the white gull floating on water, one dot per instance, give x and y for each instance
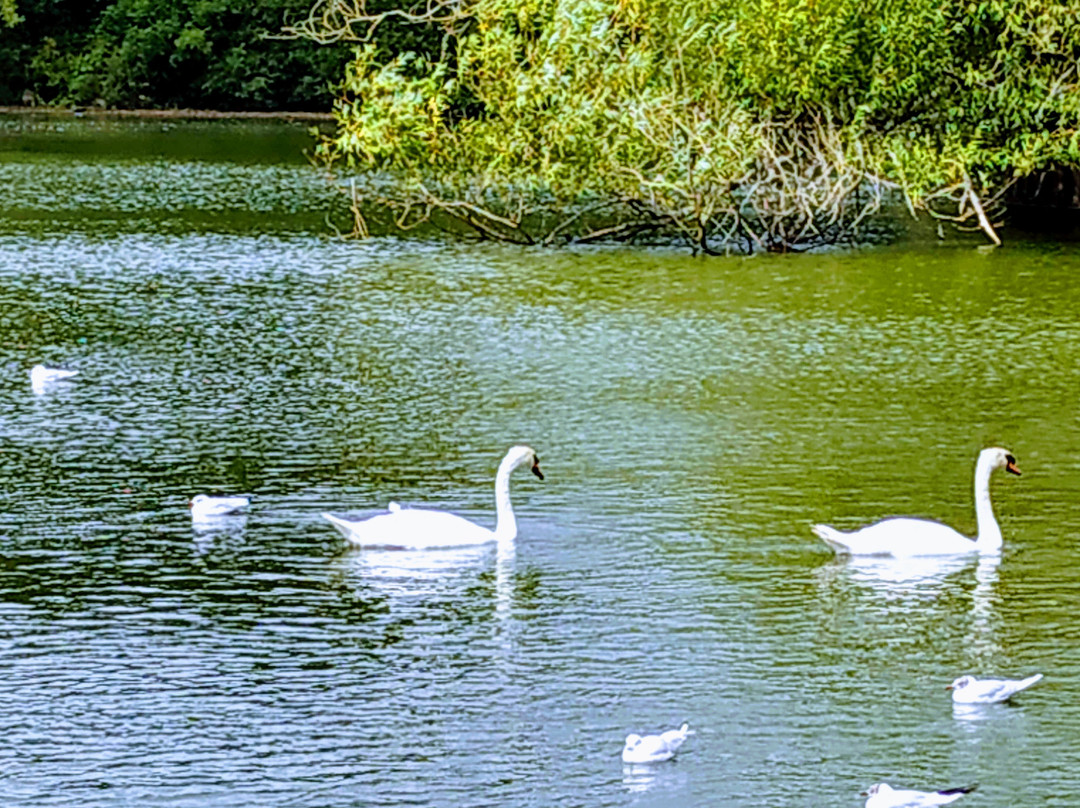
(882, 795)
(41, 377)
(206, 507)
(654, 748)
(969, 690)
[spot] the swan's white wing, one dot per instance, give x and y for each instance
(899, 536)
(413, 529)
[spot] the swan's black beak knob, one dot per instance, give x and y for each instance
(536, 469)
(1010, 465)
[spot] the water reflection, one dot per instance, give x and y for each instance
(680, 401)
(505, 557)
(899, 578)
(218, 532)
(410, 573)
(639, 778)
(981, 640)
(972, 712)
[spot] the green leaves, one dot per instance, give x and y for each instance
(740, 106)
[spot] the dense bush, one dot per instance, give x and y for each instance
(763, 123)
(151, 53)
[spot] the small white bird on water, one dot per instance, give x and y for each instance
(882, 795)
(206, 507)
(655, 748)
(425, 529)
(969, 690)
(905, 537)
(41, 377)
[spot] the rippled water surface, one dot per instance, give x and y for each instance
(693, 418)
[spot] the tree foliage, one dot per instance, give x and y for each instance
(764, 123)
(9, 13)
(215, 54)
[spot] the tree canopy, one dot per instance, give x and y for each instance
(210, 54)
(768, 124)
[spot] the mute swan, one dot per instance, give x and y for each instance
(655, 748)
(902, 536)
(882, 795)
(422, 529)
(41, 377)
(204, 507)
(969, 690)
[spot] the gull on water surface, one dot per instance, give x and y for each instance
(882, 795)
(204, 507)
(969, 690)
(654, 748)
(41, 377)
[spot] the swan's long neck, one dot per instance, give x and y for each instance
(505, 523)
(989, 538)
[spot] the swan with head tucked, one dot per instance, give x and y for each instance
(903, 536)
(421, 529)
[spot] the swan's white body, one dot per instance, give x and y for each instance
(41, 377)
(205, 507)
(969, 690)
(902, 536)
(655, 748)
(882, 795)
(423, 529)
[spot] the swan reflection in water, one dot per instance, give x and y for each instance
(414, 572)
(911, 576)
(428, 573)
(926, 578)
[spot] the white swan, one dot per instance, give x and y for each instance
(204, 507)
(41, 377)
(902, 536)
(422, 529)
(969, 690)
(882, 795)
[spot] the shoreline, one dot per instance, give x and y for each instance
(167, 114)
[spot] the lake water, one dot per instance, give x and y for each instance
(693, 418)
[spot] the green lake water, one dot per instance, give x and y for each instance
(693, 416)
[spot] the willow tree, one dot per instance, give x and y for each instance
(749, 124)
